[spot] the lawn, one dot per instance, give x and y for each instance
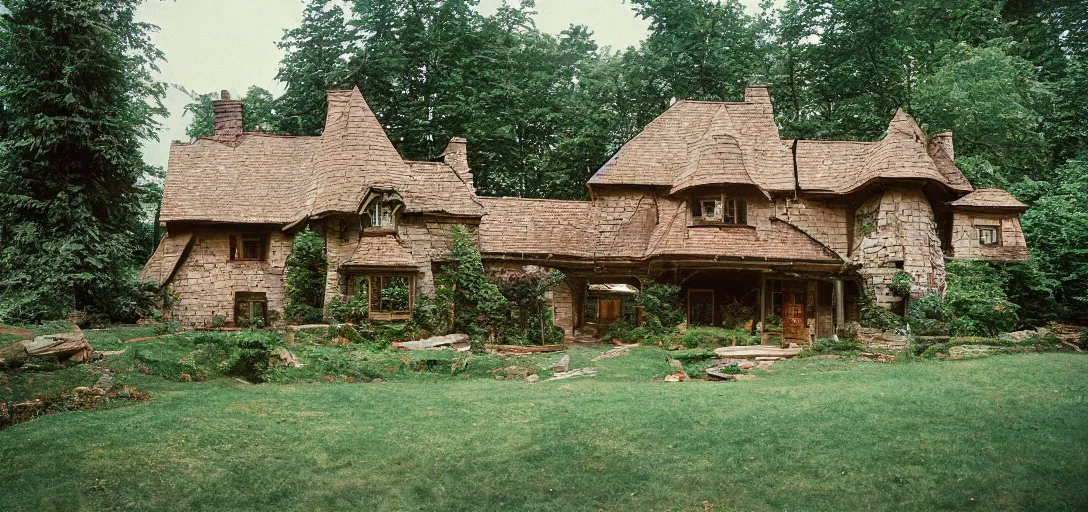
(1004, 432)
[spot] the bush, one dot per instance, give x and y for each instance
(735, 315)
(247, 354)
(929, 316)
(976, 300)
(772, 322)
(663, 302)
(305, 279)
(832, 346)
(478, 304)
(354, 310)
(901, 284)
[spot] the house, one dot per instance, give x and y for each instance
(707, 196)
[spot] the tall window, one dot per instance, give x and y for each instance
(720, 209)
(389, 297)
(989, 235)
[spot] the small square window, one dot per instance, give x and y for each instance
(712, 210)
(248, 247)
(989, 235)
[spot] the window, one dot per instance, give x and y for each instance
(250, 309)
(389, 297)
(248, 247)
(379, 215)
(989, 235)
(720, 209)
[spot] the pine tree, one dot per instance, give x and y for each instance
(314, 64)
(75, 89)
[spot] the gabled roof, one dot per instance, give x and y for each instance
(705, 142)
(273, 179)
(988, 198)
(842, 167)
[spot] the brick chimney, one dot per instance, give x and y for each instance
(456, 156)
(757, 93)
(944, 140)
(228, 117)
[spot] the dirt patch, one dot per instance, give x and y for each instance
(16, 331)
(79, 399)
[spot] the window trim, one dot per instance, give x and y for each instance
(380, 314)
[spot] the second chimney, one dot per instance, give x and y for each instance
(228, 117)
(456, 156)
(944, 140)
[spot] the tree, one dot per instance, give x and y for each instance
(259, 113)
(305, 278)
(314, 64)
(989, 100)
(78, 99)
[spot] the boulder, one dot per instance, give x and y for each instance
(450, 341)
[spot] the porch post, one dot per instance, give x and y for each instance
(840, 315)
(763, 300)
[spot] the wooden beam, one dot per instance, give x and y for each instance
(840, 314)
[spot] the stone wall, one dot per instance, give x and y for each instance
(896, 230)
(206, 280)
(822, 220)
(965, 244)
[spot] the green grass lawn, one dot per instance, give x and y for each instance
(1004, 432)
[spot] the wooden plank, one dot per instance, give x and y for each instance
(757, 351)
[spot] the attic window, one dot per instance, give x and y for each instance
(248, 247)
(989, 235)
(720, 209)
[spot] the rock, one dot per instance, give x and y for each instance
(532, 378)
(105, 382)
(84, 390)
(614, 352)
(1024, 335)
(563, 364)
(185, 377)
(580, 372)
(287, 358)
(454, 341)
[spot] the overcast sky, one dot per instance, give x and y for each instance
(212, 45)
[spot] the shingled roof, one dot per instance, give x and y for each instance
(164, 262)
(842, 167)
(587, 229)
(990, 198)
(381, 251)
(705, 142)
(273, 179)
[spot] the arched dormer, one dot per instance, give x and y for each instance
(380, 211)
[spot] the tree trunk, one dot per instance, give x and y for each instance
(63, 347)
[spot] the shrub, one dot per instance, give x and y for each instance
(735, 315)
(929, 315)
(875, 316)
(772, 322)
(976, 300)
(248, 354)
(901, 284)
(663, 302)
(478, 304)
(305, 279)
(832, 346)
(354, 310)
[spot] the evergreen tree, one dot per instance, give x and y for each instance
(75, 87)
(314, 64)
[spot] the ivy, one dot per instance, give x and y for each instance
(305, 277)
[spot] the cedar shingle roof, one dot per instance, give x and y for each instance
(990, 198)
(842, 167)
(594, 229)
(703, 142)
(261, 178)
(515, 225)
(162, 265)
(381, 251)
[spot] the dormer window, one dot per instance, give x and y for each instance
(719, 209)
(380, 216)
(379, 211)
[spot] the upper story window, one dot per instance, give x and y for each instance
(249, 247)
(719, 209)
(989, 235)
(379, 211)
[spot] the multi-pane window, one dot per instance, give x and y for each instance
(989, 235)
(379, 215)
(248, 247)
(388, 297)
(250, 309)
(720, 209)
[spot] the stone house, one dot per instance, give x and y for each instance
(707, 196)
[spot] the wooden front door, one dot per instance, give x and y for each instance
(609, 310)
(793, 315)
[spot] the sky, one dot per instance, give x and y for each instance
(212, 45)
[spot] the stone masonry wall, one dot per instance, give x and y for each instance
(902, 235)
(965, 242)
(207, 280)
